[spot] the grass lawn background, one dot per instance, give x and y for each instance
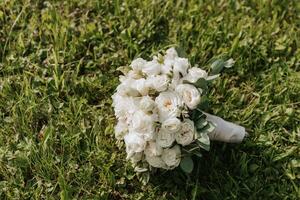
(58, 63)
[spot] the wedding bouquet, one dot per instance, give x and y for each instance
(159, 117)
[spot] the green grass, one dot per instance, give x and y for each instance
(58, 63)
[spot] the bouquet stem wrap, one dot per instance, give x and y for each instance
(226, 131)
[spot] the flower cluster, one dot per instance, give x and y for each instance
(152, 105)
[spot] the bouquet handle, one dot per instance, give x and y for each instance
(226, 131)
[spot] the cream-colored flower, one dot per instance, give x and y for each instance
(165, 138)
(159, 82)
(194, 74)
(168, 104)
(172, 156)
(133, 74)
(143, 124)
(142, 86)
(181, 66)
(124, 106)
(171, 125)
(134, 143)
(138, 64)
(126, 88)
(156, 161)
(152, 68)
(153, 149)
(171, 53)
(187, 133)
(147, 104)
(190, 95)
(121, 129)
(167, 66)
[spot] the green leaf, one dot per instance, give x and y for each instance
(197, 114)
(204, 104)
(210, 127)
(201, 123)
(197, 152)
(212, 78)
(204, 142)
(229, 63)
(192, 149)
(201, 83)
(187, 164)
(217, 66)
(143, 177)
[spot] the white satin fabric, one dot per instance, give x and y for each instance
(226, 131)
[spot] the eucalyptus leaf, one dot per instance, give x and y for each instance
(197, 153)
(212, 78)
(201, 83)
(187, 164)
(217, 66)
(140, 169)
(229, 63)
(210, 127)
(204, 146)
(193, 148)
(204, 142)
(201, 123)
(144, 177)
(197, 114)
(204, 103)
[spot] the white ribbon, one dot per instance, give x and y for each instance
(226, 131)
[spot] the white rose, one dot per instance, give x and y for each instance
(195, 74)
(159, 82)
(171, 125)
(134, 143)
(134, 74)
(121, 129)
(168, 104)
(172, 156)
(153, 149)
(176, 80)
(167, 66)
(143, 124)
(138, 64)
(127, 87)
(120, 112)
(124, 106)
(181, 66)
(142, 86)
(190, 95)
(156, 161)
(165, 138)
(147, 104)
(152, 68)
(171, 53)
(187, 133)
(131, 106)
